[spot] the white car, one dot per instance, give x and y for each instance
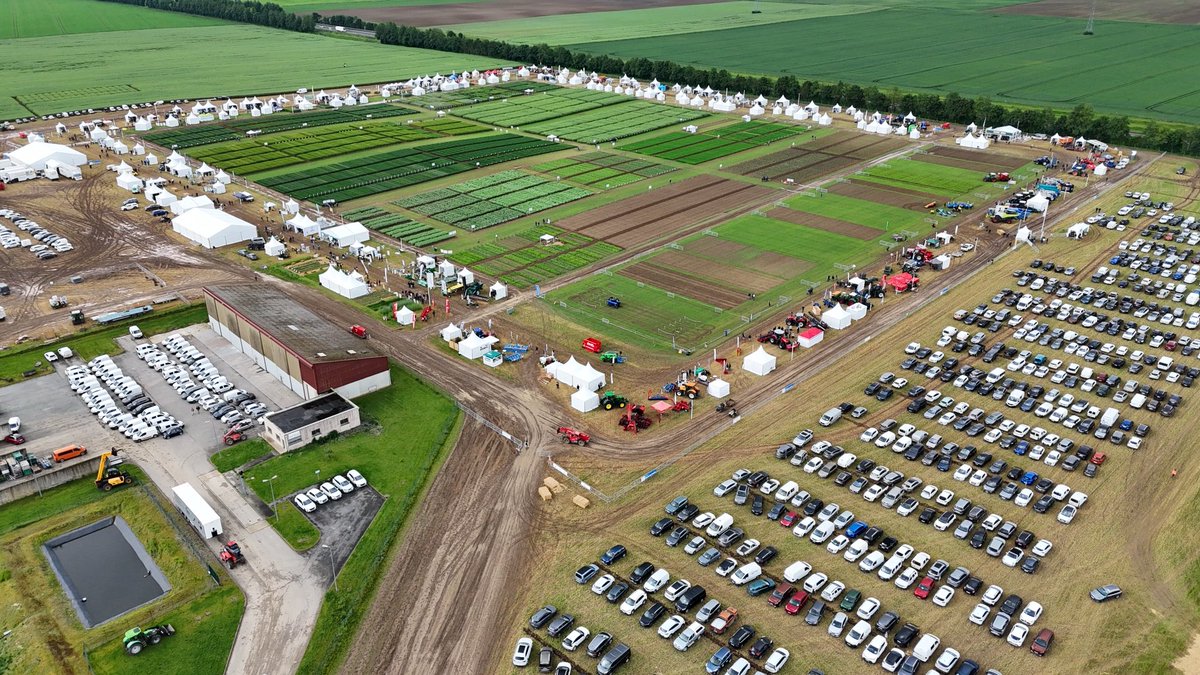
(838, 544)
(1013, 557)
(304, 503)
(749, 546)
(356, 478)
(342, 484)
(838, 624)
(875, 649)
(946, 661)
(689, 636)
(769, 486)
(943, 596)
(1016, 637)
(919, 561)
(1031, 613)
(330, 491)
(858, 634)
(979, 615)
(776, 660)
(1042, 548)
(575, 638)
(858, 548)
(804, 527)
(1067, 514)
(521, 654)
(945, 497)
(929, 491)
(671, 626)
(906, 578)
(815, 582)
(704, 519)
(992, 595)
(676, 589)
(635, 600)
(603, 584)
(315, 494)
(867, 609)
(868, 434)
(832, 591)
(822, 532)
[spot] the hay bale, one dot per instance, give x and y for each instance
(554, 485)
(545, 493)
(581, 501)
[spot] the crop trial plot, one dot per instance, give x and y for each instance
(491, 200)
(236, 129)
(297, 147)
(701, 147)
(598, 169)
(615, 122)
(523, 259)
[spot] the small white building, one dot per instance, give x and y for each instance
(316, 418)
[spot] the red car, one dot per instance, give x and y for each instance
(1041, 643)
(1099, 458)
(793, 606)
(15, 439)
(924, 588)
(789, 519)
(781, 593)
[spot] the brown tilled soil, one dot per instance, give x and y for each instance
(864, 147)
(822, 223)
(957, 163)
(682, 284)
(1154, 11)
(780, 264)
(1008, 162)
(885, 194)
(496, 10)
(738, 277)
(665, 211)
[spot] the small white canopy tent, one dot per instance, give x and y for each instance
(836, 317)
(473, 346)
(973, 141)
(585, 401)
(718, 388)
(588, 378)
(128, 181)
(451, 332)
(1078, 231)
(1038, 202)
(274, 247)
(810, 338)
(857, 311)
(290, 206)
(498, 291)
(346, 285)
(345, 235)
(223, 178)
(212, 228)
(405, 316)
(759, 362)
(1100, 170)
(139, 149)
(216, 188)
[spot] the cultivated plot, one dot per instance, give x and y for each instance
(483, 202)
(702, 147)
(602, 170)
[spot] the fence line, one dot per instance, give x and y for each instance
(519, 444)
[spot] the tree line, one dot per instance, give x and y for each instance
(243, 11)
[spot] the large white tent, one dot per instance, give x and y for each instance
(346, 285)
(303, 224)
(128, 181)
(212, 228)
(35, 155)
(474, 346)
(837, 317)
(188, 203)
(345, 235)
(759, 362)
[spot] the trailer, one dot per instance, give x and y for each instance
(113, 317)
(198, 513)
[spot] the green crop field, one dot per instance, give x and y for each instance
(39, 18)
(235, 129)
(947, 181)
(523, 260)
(709, 145)
(612, 123)
(598, 169)
(524, 109)
(490, 200)
(638, 23)
(860, 211)
(345, 6)
(68, 72)
(1145, 69)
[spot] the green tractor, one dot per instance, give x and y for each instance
(136, 639)
(610, 400)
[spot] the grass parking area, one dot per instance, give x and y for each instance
(45, 626)
(408, 427)
(95, 340)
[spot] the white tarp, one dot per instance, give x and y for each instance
(346, 285)
(718, 388)
(759, 362)
(585, 401)
(836, 317)
(212, 228)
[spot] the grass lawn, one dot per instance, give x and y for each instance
(38, 18)
(96, 340)
(296, 530)
(236, 455)
(947, 181)
(408, 425)
(55, 73)
(41, 618)
(860, 211)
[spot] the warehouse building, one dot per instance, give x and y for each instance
(307, 353)
(310, 421)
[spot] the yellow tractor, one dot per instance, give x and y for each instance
(688, 389)
(109, 476)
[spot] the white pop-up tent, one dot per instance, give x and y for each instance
(451, 333)
(836, 317)
(759, 362)
(303, 224)
(585, 401)
(212, 228)
(498, 291)
(405, 316)
(718, 388)
(274, 247)
(475, 346)
(857, 311)
(810, 337)
(1038, 202)
(346, 285)
(345, 235)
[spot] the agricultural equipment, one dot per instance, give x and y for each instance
(994, 177)
(108, 476)
(426, 312)
(474, 289)
(592, 345)
(682, 406)
(358, 331)
(233, 436)
(635, 419)
(58, 301)
(959, 206)
(136, 639)
(701, 374)
(615, 303)
(724, 363)
(77, 317)
(1181, 171)
(515, 347)
(231, 555)
(612, 357)
(688, 389)
(610, 400)
(573, 436)
(726, 405)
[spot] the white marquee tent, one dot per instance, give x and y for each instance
(274, 247)
(836, 317)
(759, 362)
(451, 333)
(718, 388)
(344, 235)
(212, 228)
(188, 203)
(303, 224)
(346, 285)
(585, 401)
(128, 181)
(405, 316)
(474, 346)
(35, 155)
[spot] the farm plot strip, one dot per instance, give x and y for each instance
(886, 194)
(1007, 162)
(236, 129)
(823, 156)
(702, 147)
(520, 110)
(297, 147)
(491, 200)
(740, 278)
(823, 223)
(958, 163)
(598, 169)
(614, 122)
(679, 283)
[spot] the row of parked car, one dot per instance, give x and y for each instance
(49, 244)
(213, 392)
(333, 489)
(119, 402)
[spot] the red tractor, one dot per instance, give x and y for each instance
(634, 420)
(426, 312)
(233, 436)
(573, 436)
(231, 555)
(358, 331)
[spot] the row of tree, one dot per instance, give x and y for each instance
(243, 11)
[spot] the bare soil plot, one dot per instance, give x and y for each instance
(1155, 11)
(679, 283)
(1009, 162)
(657, 213)
(737, 277)
(885, 194)
(822, 223)
(821, 157)
(767, 262)
(496, 10)
(865, 147)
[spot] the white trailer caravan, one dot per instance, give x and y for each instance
(196, 510)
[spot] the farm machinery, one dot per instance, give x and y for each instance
(358, 331)
(635, 419)
(613, 302)
(233, 436)
(612, 400)
(612, 357)
(572, 436)
(424, 316)
(514, 352)
(231, 555)
(994, 177)
(108, 476)
(685, 387)
(136, 639)
(592, 345)
(728, 407)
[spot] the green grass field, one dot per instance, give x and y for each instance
(1029, 60)
(55, 73)
(329, 6)
(38, 18)
(938, 179)
(861, 211)
(645, 23)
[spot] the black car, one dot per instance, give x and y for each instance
(872, 388)
(653, 613)
(777, 511)
(616, 591)
(1030, 565)
(741, 636)
(888, 544)
(815, 613)
(756, 506)
(641, 573)
(813, 506)
(766, 555)
(887, 622)
(613, 554)
(599, 644)
(972, 585)
(542, 616)
(687, 513)
(978, 539)
(761, 647)
(1025, 539)
(842, 478)
(677, 535)
(907, 633)
(1011, 605)
(560, 625)
(872, 535)
(928, 515)
(884, 395)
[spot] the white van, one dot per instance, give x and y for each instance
(717, 527)
(787, 491)
(873, 560)
(796, 571)
(890, 568)
(745, 574)
(926, 646)
(995, 376)
(656, 580)
(832, 415)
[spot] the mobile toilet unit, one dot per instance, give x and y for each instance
(197, 511)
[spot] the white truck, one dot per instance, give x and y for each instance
(1109, 418)
(197, 511)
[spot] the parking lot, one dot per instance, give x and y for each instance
(343, 521)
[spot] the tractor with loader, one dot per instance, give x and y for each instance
(231, 555)
(573, 436)
(108, 475)
(136, 639)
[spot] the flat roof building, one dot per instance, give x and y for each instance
(307, 353)
(303, 423)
